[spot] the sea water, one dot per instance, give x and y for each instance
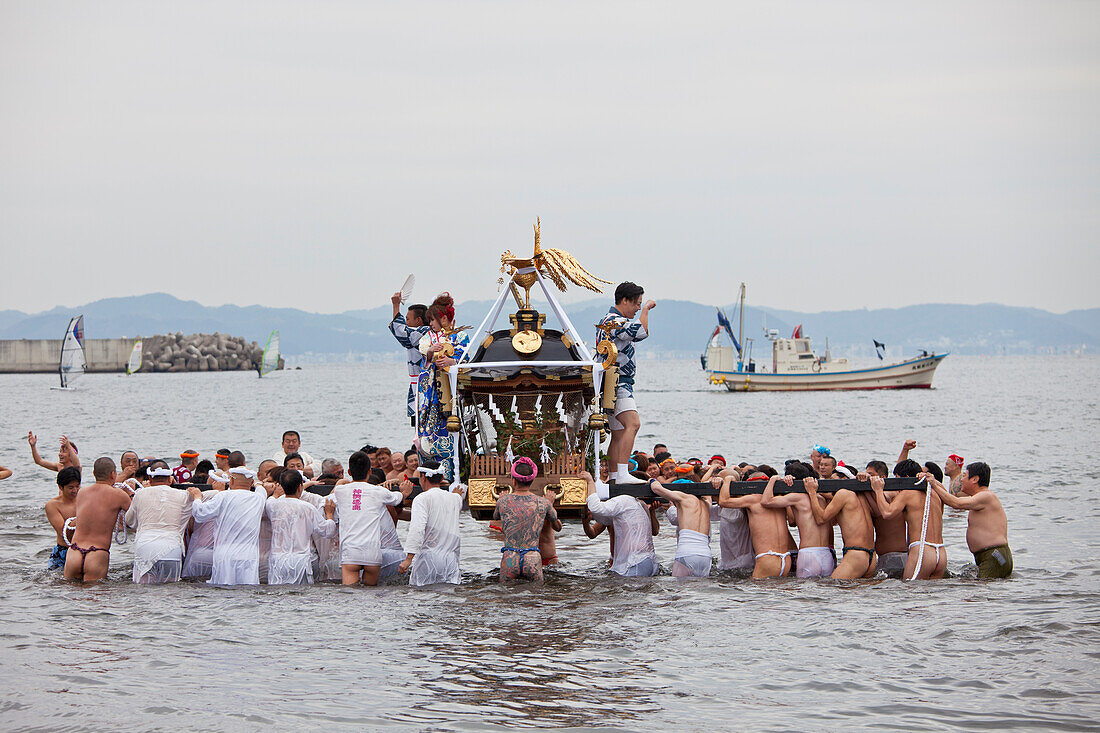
(584, 649)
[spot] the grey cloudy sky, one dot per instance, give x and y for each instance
(311, 154)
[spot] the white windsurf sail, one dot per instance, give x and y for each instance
(135, 358)
(270, 360)
(72, 363)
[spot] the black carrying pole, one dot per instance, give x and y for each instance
(744, 488)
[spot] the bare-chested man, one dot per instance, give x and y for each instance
(59, 509)
(890, 535)
(931, 555)
(693, 558)
(853, 514)
(66, 454)
(548, 546)
(768, 527)
(97, 508)
(987, 524)
(522, 515)
(953, 470)
(815, 547)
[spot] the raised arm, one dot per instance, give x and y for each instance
(32, 440)
(908, 446)
(824, 515)
(730, 502)
(886, 509)
(592, 528)
(770, 500)
(74, 457)
(660, 490)
(644, 317)
(962, 501)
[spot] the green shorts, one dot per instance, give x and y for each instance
(994, 562)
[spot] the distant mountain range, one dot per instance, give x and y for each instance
(679, 327)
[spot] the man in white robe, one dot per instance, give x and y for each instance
(634, 555)
(433, 545)
(160, 515)
(237, 512)
(198, 561)
(293, 523)
(361, 509)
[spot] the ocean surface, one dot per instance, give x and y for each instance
(584, 649)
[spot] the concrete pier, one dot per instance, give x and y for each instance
(35, 356)
(198, 352)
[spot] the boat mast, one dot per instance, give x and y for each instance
(741, 331)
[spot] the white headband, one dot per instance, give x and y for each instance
(153, 472)
(242, 471)
(438, 471)
(846, 471)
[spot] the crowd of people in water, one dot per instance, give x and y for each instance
(293, 519)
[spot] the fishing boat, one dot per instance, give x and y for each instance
(72, 363)
(134, 364)
(795, 367)
(269, 361)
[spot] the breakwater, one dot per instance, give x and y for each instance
(197, 352)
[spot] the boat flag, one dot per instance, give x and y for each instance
(797, 332)
(725, 323)
(879, 349)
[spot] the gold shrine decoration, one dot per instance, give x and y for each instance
(556, 264)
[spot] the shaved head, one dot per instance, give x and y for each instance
(103, 468)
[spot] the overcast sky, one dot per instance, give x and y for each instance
(311, 154)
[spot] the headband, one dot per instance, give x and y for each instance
(957, 459)
(845, 471)
(520, 477)
(823, 450)
(685, 469)
(154, 472)
(718, 458)
(242, 471)
(437, 471)
(189, 454)
(667, 460)
(219, 476)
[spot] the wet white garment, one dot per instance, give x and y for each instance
(433, 538)
(325, 551)
(360, 508)
(160, 514)
(692, 554)
(199, 559)
(634, 553)
(237, 535)
(734, 540)
(293, 523)
(815, 562)
(265, 546)
(392, 551)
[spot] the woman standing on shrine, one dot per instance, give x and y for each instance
(441, 346)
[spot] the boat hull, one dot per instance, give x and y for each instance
(913, 374)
